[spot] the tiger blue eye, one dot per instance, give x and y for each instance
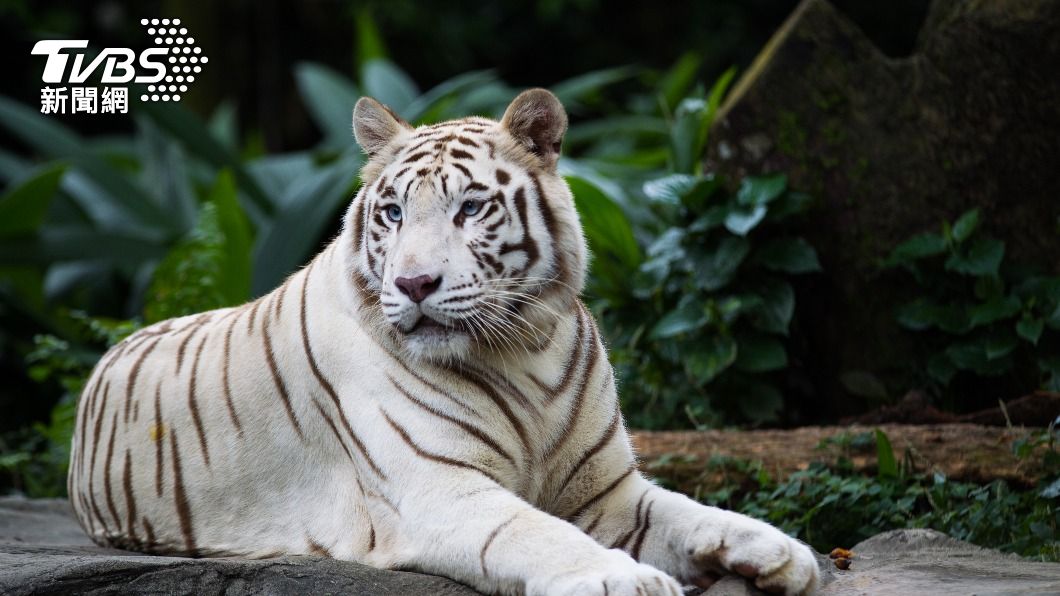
(471, 208)
(393, 213)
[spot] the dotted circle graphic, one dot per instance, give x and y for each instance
(182, 56)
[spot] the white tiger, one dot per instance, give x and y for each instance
(428, 393)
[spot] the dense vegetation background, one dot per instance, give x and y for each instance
(110, 223)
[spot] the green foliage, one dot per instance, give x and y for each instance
(834, 506)
(697, 325)
(36, 459)
(690, 279)
(976, 313)
(211, 267)
(885, 462)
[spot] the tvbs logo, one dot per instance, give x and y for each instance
(118, 62)
(167, 68)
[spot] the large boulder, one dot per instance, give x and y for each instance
(894, 146)
(44, 551)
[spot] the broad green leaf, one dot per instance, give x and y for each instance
(165, 174)
(917, 315)
(710, 356)
(633, 125)
(77, 242)
(999, 345)
(679, 79)
(989, 288)
(732, 307)
(714, 269)
(777, 307)
(761, 190)
(696, 197)
(650, 276)
(790, 255)
(681, 189)
(790, 203)
(193, 134)
(1043, 290)
(329, 97)
(64, 276)
(12, 166)
(53, 140)
(1052, 491)
(719, 89)
(22, 208)
(669, 189)
(436, 104)
(223, 125)
(668, 245)
(235, 263)
(686, 135)
(606, 226)
(922, 313)
(279, 171)
(309, 206)
(369, 42)
(760, 353)
(711, 218)
(917, 247)
(577, 88)
(965, 225)
(982, 257)
(1030, 329)
(994, 310)
(886, 465)
(975, 356)
(388, 84)
(740, 222)
(688, 316)
(488, 99)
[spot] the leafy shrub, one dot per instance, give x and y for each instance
(833, 506)
(697, 311)
(36, 459)
(976, 313)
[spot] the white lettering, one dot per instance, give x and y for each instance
(56, 64)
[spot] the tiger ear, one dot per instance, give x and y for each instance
(375, 125)
(536, 119)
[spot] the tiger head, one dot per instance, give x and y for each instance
(463, 239)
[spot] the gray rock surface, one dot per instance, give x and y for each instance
(44, 551)
(907, 562)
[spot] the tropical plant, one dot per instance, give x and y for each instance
(697, 311)
(976, 313)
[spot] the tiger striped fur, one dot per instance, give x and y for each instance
(427, 393)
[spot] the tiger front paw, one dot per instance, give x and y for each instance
(733, 543)
(615, 574)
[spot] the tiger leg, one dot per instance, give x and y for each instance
(494, 541)
(696, 543)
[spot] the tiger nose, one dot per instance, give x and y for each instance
(418, 288)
